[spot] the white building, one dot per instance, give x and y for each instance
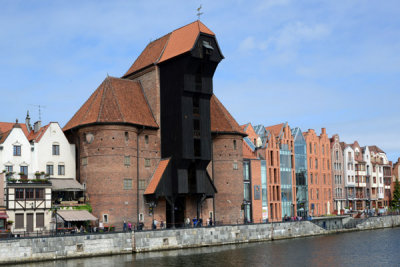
(24, 154)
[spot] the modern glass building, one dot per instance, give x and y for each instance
(300, 151)
(286, 180)
(264, 190)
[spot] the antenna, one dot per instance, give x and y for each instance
(40, 107)
(198, 12)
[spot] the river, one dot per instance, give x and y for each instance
(364, 248)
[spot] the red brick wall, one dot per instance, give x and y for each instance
(320, 151)
(105, 171)
(255, 170)
(228, 181)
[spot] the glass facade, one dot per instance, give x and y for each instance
(286, 180)
(246, 191)
(300, 151)
(264, 189)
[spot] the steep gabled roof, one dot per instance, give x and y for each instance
(114, 101)
(275, 129)
(7, 126)
(221, 120)
(3, 136)
(38, 135)
(169, 46)
(375, 149)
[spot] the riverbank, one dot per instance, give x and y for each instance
(75, 246)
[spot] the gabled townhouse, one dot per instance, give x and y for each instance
(360, 177)
(319, 172)
(349, 175)
(338, 178)
(378, 161)
(268, 153)
(33, 153)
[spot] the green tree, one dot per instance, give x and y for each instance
(396, 195)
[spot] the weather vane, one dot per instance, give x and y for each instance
(198, 12)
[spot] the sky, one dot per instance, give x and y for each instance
(313, 64)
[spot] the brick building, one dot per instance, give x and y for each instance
(319, 172)
(157, 143)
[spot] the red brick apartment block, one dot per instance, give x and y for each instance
(319, 173)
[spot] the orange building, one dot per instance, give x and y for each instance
(319, 173)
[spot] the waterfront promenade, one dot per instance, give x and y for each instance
(81, 245)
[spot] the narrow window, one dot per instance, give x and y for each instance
(127, 160)
(29, 193)
(19, 193)
(19, 221)
(146, 139)
(49, 169)
(127, 184)
(142, 184)
(105, 218)
(84, 161)
(61, 169)
(17, 150)
(39, 220)
(24, 170)
(147, 162)
(235, 166)
(39, 193)
(56, 149)
(234, 144)
(126, 136)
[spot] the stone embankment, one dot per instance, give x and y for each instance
(73, 246)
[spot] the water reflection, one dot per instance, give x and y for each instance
(367, 248)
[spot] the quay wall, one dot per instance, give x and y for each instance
(74, 246)
(62, 247)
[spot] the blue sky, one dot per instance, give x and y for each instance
(333, 64)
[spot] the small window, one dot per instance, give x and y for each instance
(234, 144)
(127, 183)
(146, 139)
(29, 193)
(56, 149)
(126, 136)
(235, 166)
(39, 193)
(17, 150)
(24, 170)
(9, 168)
(50, 169)
(61, 169)
(142, 184)
(84, 161)
(19, 193)
(141, 217)
(147, 162)
(105, 218)
(127, 160)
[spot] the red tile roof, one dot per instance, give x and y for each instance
(275, 129)
(117, 101)
(3, 136)
(375, 149)
(169, 46)
(38, 135)
(221, 120)
(7, 126)
(155, 180)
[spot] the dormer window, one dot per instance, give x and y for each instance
(17, 150)
(208, 49)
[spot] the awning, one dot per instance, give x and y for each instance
(65, 184)
(76, 215)
(3, 215)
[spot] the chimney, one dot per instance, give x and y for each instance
(323, 130)
(37, 126)
(28, 122)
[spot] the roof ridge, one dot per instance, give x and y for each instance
(106, 81)
(116, 100)
(165, 46)
(87, 111)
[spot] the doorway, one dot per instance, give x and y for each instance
(179, 213)
(29, 222)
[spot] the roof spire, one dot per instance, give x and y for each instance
(198, 12)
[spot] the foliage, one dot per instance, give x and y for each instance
(87, 207)
(396, 195)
